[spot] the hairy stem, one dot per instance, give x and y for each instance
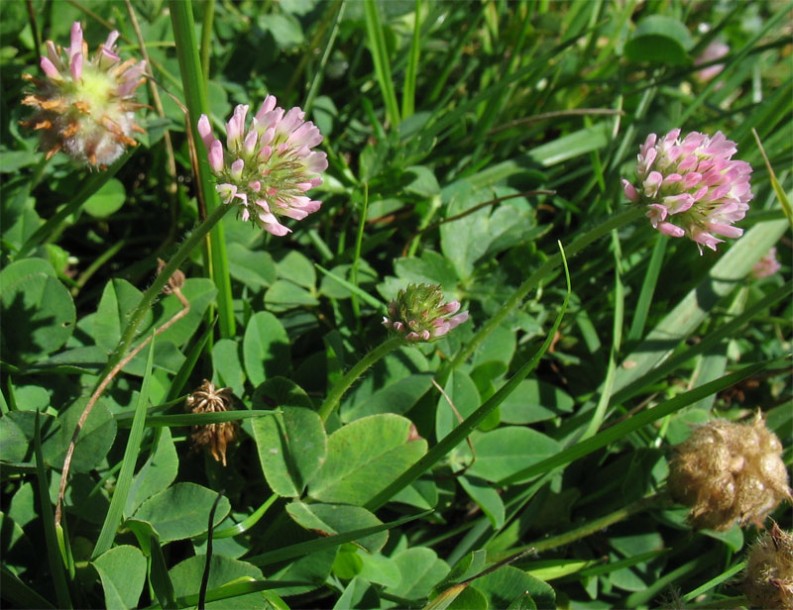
(338, 390)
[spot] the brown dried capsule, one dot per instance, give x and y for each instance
(768, 580)
(206, 399)
(727, 471)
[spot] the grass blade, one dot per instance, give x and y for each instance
(48, 523)
(633, 423)
(119, 500)
(778, 190)
(197, 104)
(313, 546)
(648, 289)
(409, 89)
(382, 68)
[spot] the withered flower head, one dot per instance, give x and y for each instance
(727, 471)
(206, 399)
(768, 580)
(85, 103)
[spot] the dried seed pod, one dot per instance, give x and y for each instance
(727, 471)
(207, 399)
(768, 580)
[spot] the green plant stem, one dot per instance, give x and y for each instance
(338, 390)
(357, 257)
(48, 522)
(196, 101)
(147, 300)
(206, 37)
(595, 525)
(623, 218)
(96, 264)
(52, 228)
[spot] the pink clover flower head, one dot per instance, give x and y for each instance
(420, 313)
(766, 266)
(266, 167)
(691, 186)
(85, 103)
(715, 50)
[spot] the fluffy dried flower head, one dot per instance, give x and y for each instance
(766, 266)
(768, 580)
(85, 104)
(267, 168)
(419, 313)
(692, 187)
(207, 399)
(728, 472)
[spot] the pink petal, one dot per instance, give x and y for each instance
(236, 169)
(271, 225)
(630, 191)
(49, 69)
(667, 228)
(724, 229)
(455, 321)
(76, 40)
(451, 307)
(76, 66)
(53, 55)
(250, 141)
(215, 155)
(267, 106)
(657, 213)
(706, 239)
(235, 127)
(653, 183)
(205, 131)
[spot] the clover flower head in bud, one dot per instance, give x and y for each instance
(766, 266)
(267, 167)
(768, 579)
(84, 104)
(216, 436)
(419, 313)
(728, 472)
(691, 186)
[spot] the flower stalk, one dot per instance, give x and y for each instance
(147, 300)
(364, 364)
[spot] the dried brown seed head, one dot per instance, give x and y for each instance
(727, 471)
(215, 437)
(768, 580)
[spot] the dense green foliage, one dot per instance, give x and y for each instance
(520, 461)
